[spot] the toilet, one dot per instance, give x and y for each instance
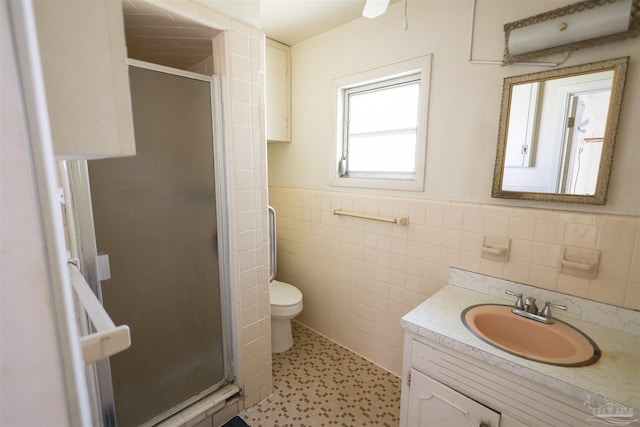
(286, 303)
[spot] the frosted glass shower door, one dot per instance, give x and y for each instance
(155, 216)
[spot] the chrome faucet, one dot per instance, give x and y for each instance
(529, 309)
(530, 305)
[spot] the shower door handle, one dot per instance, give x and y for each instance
(214, 241)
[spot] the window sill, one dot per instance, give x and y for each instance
(379, 184)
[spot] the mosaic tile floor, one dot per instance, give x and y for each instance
(319, 383)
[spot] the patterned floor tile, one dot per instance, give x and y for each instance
(318, 383)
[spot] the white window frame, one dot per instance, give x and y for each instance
(421, 66)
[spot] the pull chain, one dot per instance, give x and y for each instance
(405, 24)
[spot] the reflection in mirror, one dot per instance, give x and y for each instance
(563, 122)
(557, 131)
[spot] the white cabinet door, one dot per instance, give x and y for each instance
(507, 421)
(278, 102)
(432, 404)
(84, 63)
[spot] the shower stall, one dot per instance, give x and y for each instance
(160, 216)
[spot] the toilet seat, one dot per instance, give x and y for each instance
(284, 295)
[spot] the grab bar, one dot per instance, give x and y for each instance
(403, 220)
(273, 244)
(109, 338)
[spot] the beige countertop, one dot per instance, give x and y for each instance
(616, 332)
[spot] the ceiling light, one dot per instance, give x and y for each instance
(583, 24)
(375, 8)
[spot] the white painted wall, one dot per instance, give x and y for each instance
(465, 99)
(41, 372)
(24, 285)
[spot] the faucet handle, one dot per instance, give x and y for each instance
(546, 311)
(519, 304)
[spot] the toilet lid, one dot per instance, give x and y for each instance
(283, 294)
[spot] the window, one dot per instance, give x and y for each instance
(381, 127)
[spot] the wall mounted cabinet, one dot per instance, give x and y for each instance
(84, 62)
(278, 82)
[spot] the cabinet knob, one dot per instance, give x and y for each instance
(483, 424)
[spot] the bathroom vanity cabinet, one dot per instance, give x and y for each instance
(84, 61)
(442, 387)
(451, 377)
(278, 85)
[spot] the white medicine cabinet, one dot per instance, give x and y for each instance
(278, 83)
(84, 62)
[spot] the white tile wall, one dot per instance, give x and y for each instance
(358, 277)
(246, 154)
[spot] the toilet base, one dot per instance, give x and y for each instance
(281, 335)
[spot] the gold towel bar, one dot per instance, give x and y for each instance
(403, 220)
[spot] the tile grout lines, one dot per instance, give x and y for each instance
(318, 383)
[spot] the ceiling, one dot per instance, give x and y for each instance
(155, 35)
(292, 21)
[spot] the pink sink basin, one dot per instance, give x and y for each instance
(556, 344)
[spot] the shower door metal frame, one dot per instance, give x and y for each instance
(79, 194)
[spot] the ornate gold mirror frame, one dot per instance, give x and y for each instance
(619, 67)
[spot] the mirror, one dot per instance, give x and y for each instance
(557, 132)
